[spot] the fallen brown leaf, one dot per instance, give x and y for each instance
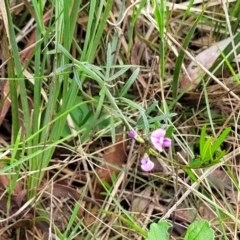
(116, 156)
(192, 77)
(20, 197)
(4, 182)
(206, 213)
(219, 179)
(137, 51)
(140, 204)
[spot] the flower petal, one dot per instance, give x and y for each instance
(158, 133)
(167, 142)
(157, 138)
(157, 144)
(144, 160)
(132, 134)
(147, 165)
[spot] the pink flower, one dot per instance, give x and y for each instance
(159, 140)
(146, 164)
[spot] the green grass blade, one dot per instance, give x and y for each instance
(13, 93)
(160, 13)
(119, 73)
(228, 53)
(207, 154)
(129, 83)
(217, 143)
(202, 139)
(135, 15)
(109, 61)
(180, 57)
(97, 112)
(19, 71)
(140, 109)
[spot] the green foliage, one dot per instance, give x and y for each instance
(210, 152)
(180, 57)
(161, 14)
(159, 230)
(198, 230)
(47, 124)
(227, 56)
(62, 109)
(81, 116)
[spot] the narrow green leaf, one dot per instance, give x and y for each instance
(180, 57)
(113, 129)
(156, 119)
(195, 163)
(211, 147)
(74, 15)
(19, 74)
(13, 91)
(119, 73)
(151, 107)
(216, 67)
(207, 153)
(63, 68)
(102, 18)
(12, 179)
(161, 11)
(90, 32)
(140, 109)
(134, 17)
(169, 132)
(109, 61)
(129, 83)
(147, 112)
(202, 139)
(221, 139)
(89, 130)
(162, 117)
(62, 49)
(38, 13)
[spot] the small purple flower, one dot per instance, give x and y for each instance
(159, 140)
(146, 164)
(134, 135)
